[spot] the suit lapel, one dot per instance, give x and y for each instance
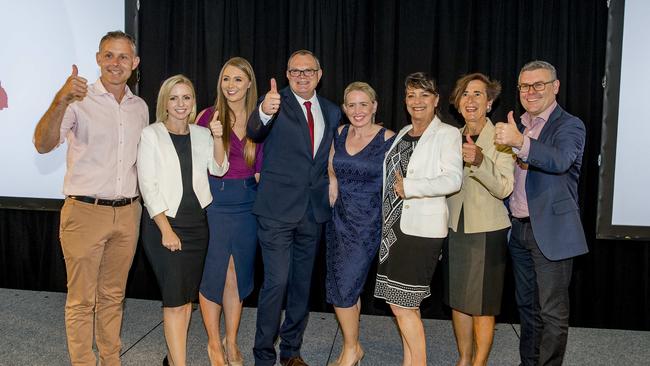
(327, 128)
(431, 129)
(550, 124)
(167, 148)
(486, 138)
(297, 116)
(195, 148)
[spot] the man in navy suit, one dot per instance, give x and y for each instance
(546, 228)
(297, 127)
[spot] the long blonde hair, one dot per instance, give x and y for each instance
(163, 96)
(227, 115)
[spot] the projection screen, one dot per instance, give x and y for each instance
(624, 189)
(41, 40)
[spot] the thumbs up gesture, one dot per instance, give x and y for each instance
(508, 134)
(472, 153)
(75, 88)
(271, 103)
(215, 125)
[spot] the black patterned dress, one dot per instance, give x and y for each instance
(353, 235)
(406, 262)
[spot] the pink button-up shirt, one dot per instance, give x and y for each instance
(103, 140)
(533, 127)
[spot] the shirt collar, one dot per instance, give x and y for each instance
(101, 90)
(527, 120)
(301, 101)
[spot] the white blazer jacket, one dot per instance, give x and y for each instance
(159, 170)
(434, 171)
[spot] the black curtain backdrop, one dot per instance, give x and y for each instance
(380, 42)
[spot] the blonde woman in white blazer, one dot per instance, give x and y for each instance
(421, 168)
(475, 259)
(174, 158)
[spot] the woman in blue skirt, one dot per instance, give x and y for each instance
(229, 264)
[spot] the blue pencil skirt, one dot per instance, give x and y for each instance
(233, 232)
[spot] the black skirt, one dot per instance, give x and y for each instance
(404, 276)
(178, 273)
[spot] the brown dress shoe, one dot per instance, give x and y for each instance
(293, 361)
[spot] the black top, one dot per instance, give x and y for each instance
(189, 208)
(405, 148)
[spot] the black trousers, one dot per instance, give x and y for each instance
(542, 294)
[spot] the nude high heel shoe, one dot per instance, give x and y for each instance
(230, 362)
(356, 362)
(361, 354)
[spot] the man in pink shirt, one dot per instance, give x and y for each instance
(100, 218)
(546, 228)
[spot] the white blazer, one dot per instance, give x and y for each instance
(159, 170)
(434, 171)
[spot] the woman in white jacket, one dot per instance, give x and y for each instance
(421, 168)
(174, 158)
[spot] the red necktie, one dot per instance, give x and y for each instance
(310, 123)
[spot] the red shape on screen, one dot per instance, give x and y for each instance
(4, 100)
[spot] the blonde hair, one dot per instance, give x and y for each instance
(163, 97)
(362, 87)
(226, 115)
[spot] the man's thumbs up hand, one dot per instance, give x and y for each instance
(75, 88)
(508, 134)
(272, 99)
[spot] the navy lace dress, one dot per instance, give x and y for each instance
(354, 234)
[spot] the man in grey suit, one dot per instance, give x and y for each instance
(546, 228)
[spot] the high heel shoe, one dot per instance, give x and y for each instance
(361, 354)
(223, 355)
(335, 363)
(230, 362)
(356, 362)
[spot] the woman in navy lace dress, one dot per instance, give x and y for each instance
(354, 234)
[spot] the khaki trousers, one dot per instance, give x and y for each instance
(98, 244)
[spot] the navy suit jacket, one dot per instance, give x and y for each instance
(552, 186)
(290, 178)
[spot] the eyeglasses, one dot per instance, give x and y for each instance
(538, 86)
(307, 72)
